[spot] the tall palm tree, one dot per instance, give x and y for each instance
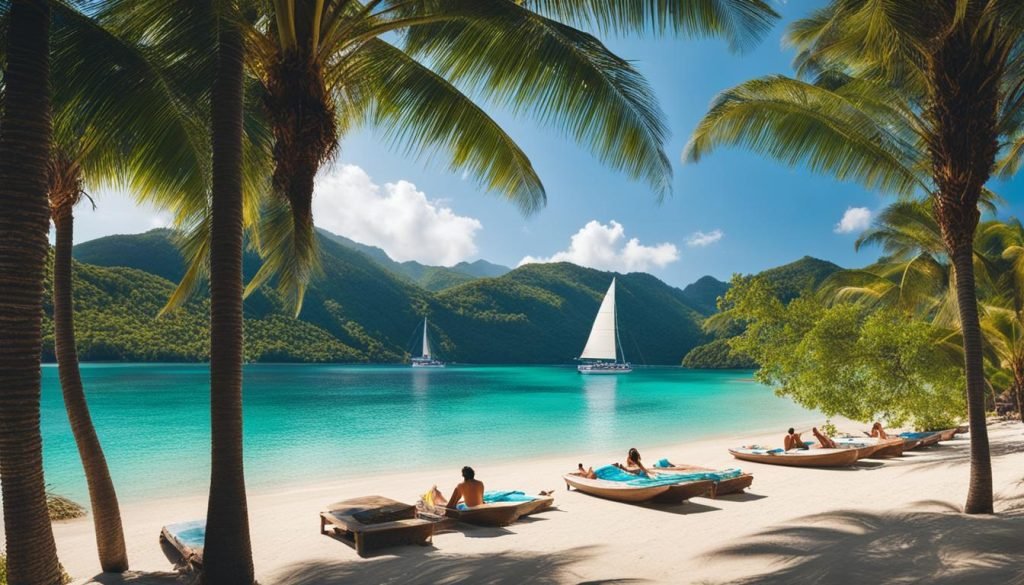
(25, 133)
(65, 191)
(227, 552)
(907, 101)
(1003, 314)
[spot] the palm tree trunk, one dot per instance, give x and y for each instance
(106, 515)
(979, 492)
(25, 135)
(227, 557)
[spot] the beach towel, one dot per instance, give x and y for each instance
(613, 473)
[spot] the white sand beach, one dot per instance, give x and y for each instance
(883, 521)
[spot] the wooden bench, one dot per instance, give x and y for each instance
(374, 522)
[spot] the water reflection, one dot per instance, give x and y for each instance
(599, 393)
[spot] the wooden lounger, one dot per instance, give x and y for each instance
(374, 522)
(614, 490)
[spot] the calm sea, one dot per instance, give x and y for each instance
(307, 422)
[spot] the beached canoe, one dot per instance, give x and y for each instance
(948, 434)
(925, 439)
(183, 543)
(871, 447)
(500, 513)
(374, 522)
(798, 458)
(614, 490)
(678, 493)
(723, 487)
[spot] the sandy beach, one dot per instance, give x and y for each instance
(883, 521)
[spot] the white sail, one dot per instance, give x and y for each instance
(601, 343)
(426, 343)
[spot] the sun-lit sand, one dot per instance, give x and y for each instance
(891, 521)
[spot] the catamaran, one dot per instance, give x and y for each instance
(604, 344)
(425, 360)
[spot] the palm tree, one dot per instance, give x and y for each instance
(907, 101)
(25, 134)
(1003, 314)
(65, 191)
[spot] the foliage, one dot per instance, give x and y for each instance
(847, 359)
(718, 354)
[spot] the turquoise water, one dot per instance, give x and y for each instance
(305, 423)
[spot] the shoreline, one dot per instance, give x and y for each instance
(586, 538)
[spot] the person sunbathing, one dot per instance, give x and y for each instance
(587, 473)
(470, 491)
(826, 442)
(633, 464)
(792, 440)
(878, 432)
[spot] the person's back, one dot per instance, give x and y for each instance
(470, 491)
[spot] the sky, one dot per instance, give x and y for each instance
(734, 212)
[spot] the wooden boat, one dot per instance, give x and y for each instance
(374, 522)
(799, 457)
(722, 488)
(947, 434)
(500, 513)
(925, 439)
(871, 447)
(185, 541)
(614, 490)
(680, 492)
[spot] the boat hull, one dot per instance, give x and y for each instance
(604, 369)
(808, 458)
(680, 492)
(612, 490)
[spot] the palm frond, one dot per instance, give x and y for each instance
(742, 23)
(849, 133)
(561, 76)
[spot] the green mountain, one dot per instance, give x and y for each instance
(432, 278)
(789, 280)
(703, 294)
(360, 311)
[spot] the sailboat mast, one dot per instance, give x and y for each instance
(615, 310)
(426, 344)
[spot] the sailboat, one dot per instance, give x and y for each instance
(603, 350)
(425, 360)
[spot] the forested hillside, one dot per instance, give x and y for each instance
(360, 311)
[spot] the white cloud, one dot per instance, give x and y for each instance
(856, 219)
(699, 239)
(396, 217)
(602, 246)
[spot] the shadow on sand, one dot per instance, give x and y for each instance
(929, 543)
(142, 578)
(424, 567)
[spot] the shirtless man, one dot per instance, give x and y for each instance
(793, 440)
(470, 491)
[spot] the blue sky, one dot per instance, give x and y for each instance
(766, 214)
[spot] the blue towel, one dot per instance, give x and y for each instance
(507, 496)
(495, 496)
(613, 473)
(191, 534)
(663, 463)
(916, 435)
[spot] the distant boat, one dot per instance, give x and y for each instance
(425, 360)
(603, 350)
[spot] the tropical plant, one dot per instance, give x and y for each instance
(848, 359)
(906, 101)
(25, 135)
